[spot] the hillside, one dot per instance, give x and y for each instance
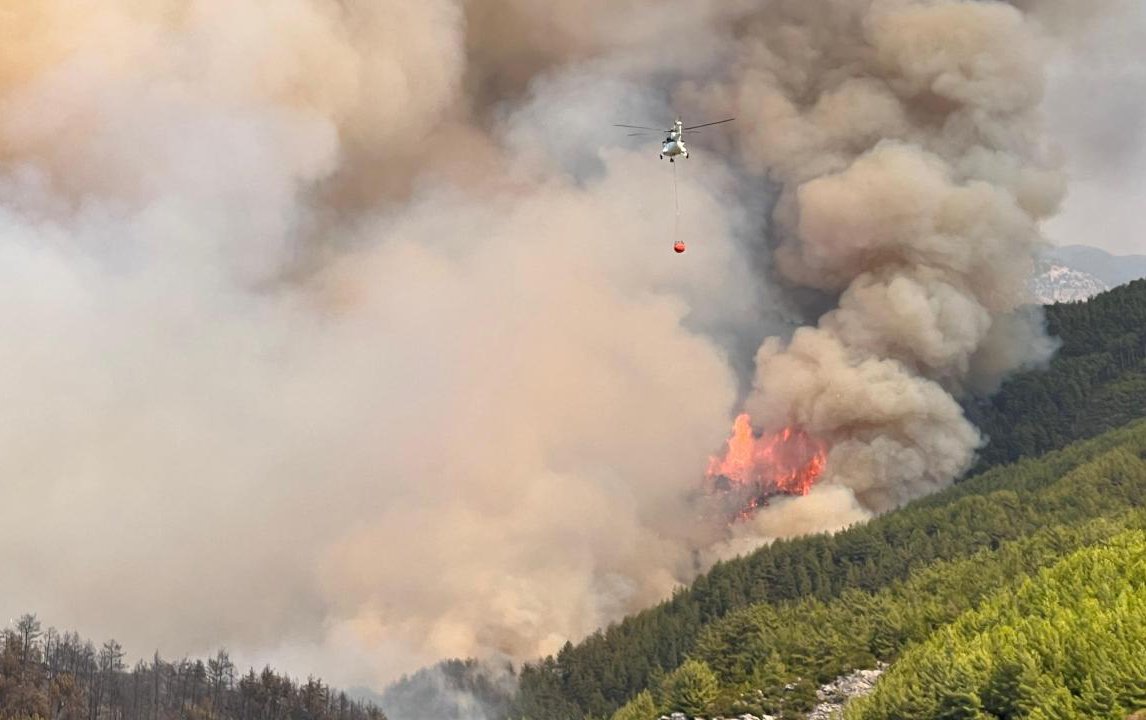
(451, 690)
(1074, 273)
(1055, 283)
(757, 651)
(1096, 382)
(1113, 270)
(47, 674)
(1060, 493)
(1068, 643)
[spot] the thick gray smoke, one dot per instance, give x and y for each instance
(915, 175)
(345, 333)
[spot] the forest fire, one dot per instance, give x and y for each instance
(755, 468)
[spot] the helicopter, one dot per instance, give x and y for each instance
(673, 145)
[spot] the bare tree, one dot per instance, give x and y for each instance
(28, 628)
(220, 677)
(155, 665)
(58, 676)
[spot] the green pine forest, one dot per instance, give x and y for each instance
(1097, 381)
(912, 588)
(1068, 642)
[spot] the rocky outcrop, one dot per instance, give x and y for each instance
(832, 697)
(682, 716)
(1058, 283)
(838, 692)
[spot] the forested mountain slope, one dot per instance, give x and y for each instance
(1069, 643)
(1096, 382)
(1067, 494)
(757, 652)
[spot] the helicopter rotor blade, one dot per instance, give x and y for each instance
(694, 127)
(641, 127)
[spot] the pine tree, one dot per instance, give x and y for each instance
(1010, 691)
(959, 704)
(691, 688)
(769, 678)
(640, 707)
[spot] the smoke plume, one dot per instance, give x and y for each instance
(914, 177)
(347, 335)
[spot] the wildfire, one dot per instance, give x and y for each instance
(755, 468)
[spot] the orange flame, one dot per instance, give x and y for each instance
(787, 462)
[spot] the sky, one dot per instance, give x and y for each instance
(1096, 110)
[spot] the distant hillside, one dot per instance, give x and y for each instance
(1077, 272)
(1096, 382)
(1112, 270)
(1056, 283)
(451, 690)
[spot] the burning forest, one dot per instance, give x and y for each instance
(756, 466)
(360, 306)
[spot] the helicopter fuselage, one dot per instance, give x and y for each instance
(673, 145)
(673, 148)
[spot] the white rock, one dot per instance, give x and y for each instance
(835, 694)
